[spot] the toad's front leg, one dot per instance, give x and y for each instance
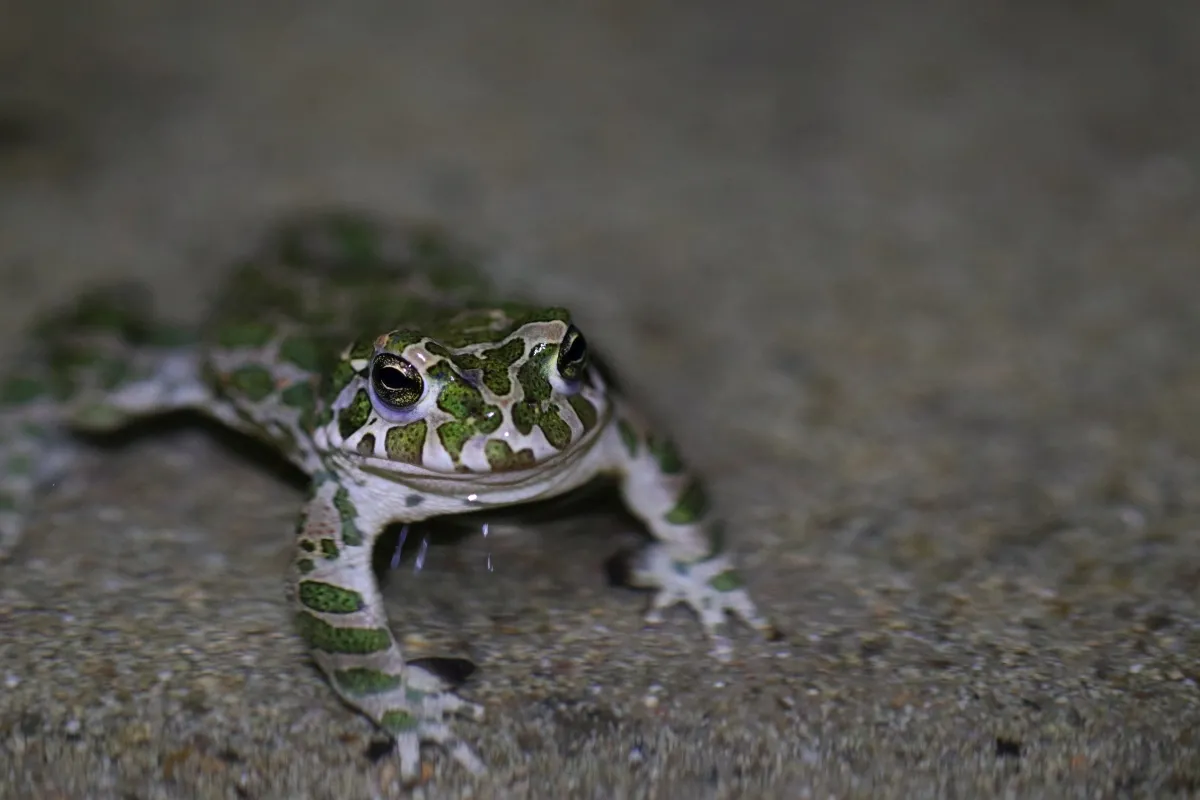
(687, 563)
(340, 614)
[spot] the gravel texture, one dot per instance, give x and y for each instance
(915, 285)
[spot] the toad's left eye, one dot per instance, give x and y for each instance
(396, 382)
(572, 355)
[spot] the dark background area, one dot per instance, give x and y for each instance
(915, 285)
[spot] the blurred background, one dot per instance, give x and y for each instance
(915, 285)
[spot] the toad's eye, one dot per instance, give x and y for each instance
(396, 382)
(572, 355)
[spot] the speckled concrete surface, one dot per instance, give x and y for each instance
(917, 289)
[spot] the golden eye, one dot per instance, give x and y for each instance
(396, 382)
(572, 355)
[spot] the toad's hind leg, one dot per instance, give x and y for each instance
(91, 367)
(340, 614)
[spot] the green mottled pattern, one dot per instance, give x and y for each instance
(304, 352)
(526, 415)
(355, 415)
(362, 681)
(726, 582)
(351, 535)
(254, 382)
(329, 599)
(406, 442)
(692, 505)
(584, 410)
(532, 374)
(398, 721)
(663, 450)
(493, 364)
(465, 403)
(501, 457)
(320, 635)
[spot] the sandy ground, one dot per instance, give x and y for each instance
(916, 288)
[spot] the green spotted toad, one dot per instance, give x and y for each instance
(375, 359)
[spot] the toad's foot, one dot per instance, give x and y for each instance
(712, 588)
(414, 713)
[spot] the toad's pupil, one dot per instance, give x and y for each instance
(395, 379)
(577, 349)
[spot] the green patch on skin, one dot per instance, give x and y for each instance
(406, 443)
(339, 378)
(329, 599)
(305, 565)
(496, 363)
(629, 437)
(453, 435)
(21, 390)
(329, 549)
(301, 397)
(307, 546)
(727, 581)
(534, 408)
(584, 410)
(493, 364)
(465, 403)
(557, 431)
(253, 381)
(525, 416)
(320, 635)
(457, 398)
(351, 535)
(301, 351)
(366, 445)
(502, 458)
(441, 351)
(397, 341)
(398, 722)
(664, 452)
(362, 681)
(491, 420)
(355, 415)
(360, 350)
(532, 374)
(692, 505)
(245, 334)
